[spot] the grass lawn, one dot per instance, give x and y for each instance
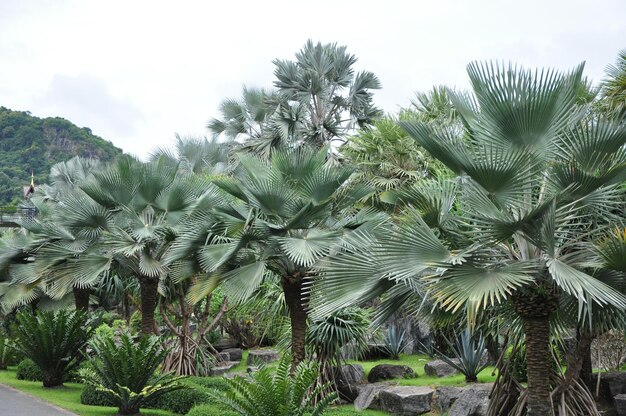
(417, 362)
(67, 397)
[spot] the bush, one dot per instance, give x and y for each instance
(53, 340)
(211, 410)
(7, 353)
(212, 383)
(126, 372)
(29, 371)
(181, 401)
(92, 397)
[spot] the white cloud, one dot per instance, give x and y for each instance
(137, 72)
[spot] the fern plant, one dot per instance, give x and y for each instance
(53, 341)
(278, 393)
(126, 372)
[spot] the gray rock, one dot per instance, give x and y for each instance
(252, 369)
(222, 368)
(368, 396)
(389, 371)
(347, 381)
(473, 401)
(263, 356)
(406, 400)
(444, 397)
(223, 356)
(611, 385)
(440, 368)
(620, 404)
(235, 353)
(375, 352)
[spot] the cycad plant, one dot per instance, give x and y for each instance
(52, 340)
(126, 371)
(278, 392)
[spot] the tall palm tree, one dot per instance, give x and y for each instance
(283, 215)
(537, 183)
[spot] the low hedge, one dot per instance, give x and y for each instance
(210, 410)
(92, 397)
(29, 371)
(181, 401)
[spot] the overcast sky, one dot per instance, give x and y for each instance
(137, 72)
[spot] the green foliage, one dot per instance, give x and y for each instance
(181, 401)
(394, 342)
(211, 410)
(28, 370)
(125, 372)
(279, 393)
(53, 340)
(7, 352)
(215, 383)
(91, 396)
(469, 351)
(105, 331)
(31, 144)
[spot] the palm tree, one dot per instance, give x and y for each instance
(537, 183)
(283, 216)
(613, 86)
(322, 89)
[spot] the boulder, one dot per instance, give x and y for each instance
(444, 397)
(375, 352)
(252, 369)
(440, 368)
(611, 385)
(223, 367)
(262, 356)
(620, 404)
(389, 371)
(368, 396)
(406, 400)
(473, 401)
(235, 353)
(223, 356)
(348, 379)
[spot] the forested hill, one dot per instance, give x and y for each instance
(32, 144)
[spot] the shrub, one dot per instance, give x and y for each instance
(53, 340)
(7, 353)
(91, 396)
(29, 371)
(125, 373)
(214, 383)
(211, 410)
(279, 393)
(181, 401)
(469, 350)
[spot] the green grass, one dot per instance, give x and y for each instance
(417, 362)
(67, 397)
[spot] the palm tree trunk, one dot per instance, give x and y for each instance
(292, 288)
(538, 366)
(81, 298)
(148, 288)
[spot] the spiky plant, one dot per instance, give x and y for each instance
(278, 393)
(469, 355)
(53, 341)
(125, 372)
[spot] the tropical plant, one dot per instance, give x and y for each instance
(52, 340)
(283, 215)
(125, 371)
(28, 370)
(613, 86)
(7, 352)
(538, 182)
(278, 392)
(469, 355)
(395, 342)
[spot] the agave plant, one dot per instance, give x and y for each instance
(278, 393)
(125, 372)
(52, 340)
(469, 355)
(395, 342)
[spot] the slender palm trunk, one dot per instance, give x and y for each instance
(292, 288)
(81, 298)
(148, 288)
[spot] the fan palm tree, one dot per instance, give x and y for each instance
(613, 86)
(537, 183)
(284, 214)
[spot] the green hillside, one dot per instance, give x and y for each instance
(32, 144)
